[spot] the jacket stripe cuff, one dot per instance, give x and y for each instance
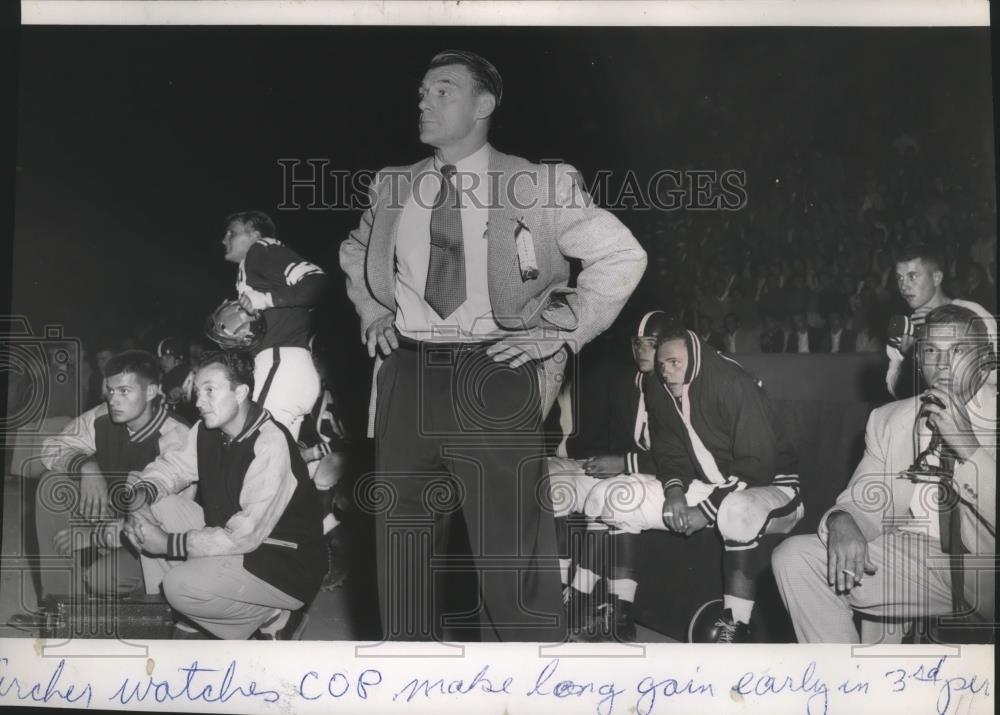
(177, 545)
(142, 494)
(673, 483)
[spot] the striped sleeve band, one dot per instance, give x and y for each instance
(177, 545)
(141, 493)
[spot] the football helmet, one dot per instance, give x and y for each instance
(233, 328)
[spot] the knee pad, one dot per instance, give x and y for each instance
(595, 502)
(737, 519)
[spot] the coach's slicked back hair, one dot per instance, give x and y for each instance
(237, 364)
(924, 250)
(254, 220)
(136, 362)
(485, 76)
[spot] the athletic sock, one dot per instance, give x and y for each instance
(741, 608)
(584, 580)
(564, 565)
(624, 588)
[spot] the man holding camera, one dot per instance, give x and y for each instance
(902, 540)
(920, 279)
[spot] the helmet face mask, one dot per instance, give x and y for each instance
(233, 328)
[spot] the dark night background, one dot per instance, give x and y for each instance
(134, 143)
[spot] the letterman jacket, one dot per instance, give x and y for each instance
(734, 440)
(257, 499)
(117, 451)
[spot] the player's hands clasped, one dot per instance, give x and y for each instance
(696, 520)
(141, 527)
(675, 509)
(605, 465)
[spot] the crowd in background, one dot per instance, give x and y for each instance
(815, 243)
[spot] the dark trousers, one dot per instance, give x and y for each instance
(456, 433)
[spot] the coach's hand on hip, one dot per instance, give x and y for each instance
(517, 350)
(381, 334)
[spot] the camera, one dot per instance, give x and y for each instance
(899, 326)
(43, 376)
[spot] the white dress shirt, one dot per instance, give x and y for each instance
(474, 318)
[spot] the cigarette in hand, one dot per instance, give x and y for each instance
(851, 574)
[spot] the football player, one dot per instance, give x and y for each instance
(618, 445)
(275, 282)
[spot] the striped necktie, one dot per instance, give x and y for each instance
(445, 288)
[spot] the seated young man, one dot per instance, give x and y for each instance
(618, 445)
(892, 546)
(91, 458)
(250, 554)
(721, 460)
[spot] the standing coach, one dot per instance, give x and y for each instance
(459, 272)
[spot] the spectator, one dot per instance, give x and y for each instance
(803, 339)
(708, 333)
(772, 337)
(738, 340)
(836, 337)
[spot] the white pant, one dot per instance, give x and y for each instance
(634, 503)
(292, 389)
(215, 592)
(912, 580)
(573, 490)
